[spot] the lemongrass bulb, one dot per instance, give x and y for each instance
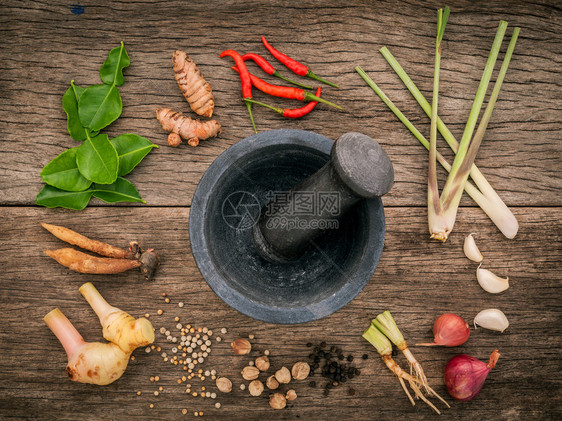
(491, 282)
(492, 319)
(471, 249)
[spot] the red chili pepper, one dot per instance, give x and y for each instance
(292, 112)
(244, 79)
(286, 91)
(298, 68)
(268, 68)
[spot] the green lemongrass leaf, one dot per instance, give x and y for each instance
(121, 190)
(97, 160)
(131, 149)
(70, 107)
(62, 172)
(378, 340)
(99, 106)
(111, 72)
(475, 173)
(51, 197)
(464, 169)
(433, 203)
(442, 18)
(474, 111)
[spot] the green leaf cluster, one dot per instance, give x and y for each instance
(96, 168)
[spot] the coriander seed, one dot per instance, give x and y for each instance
(255, 388)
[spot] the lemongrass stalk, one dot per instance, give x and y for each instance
(384, 348)
(378, 340)
(470, 189)
(385, 323)
(486, 197)
(456, 180)
(437, 223)
(441, 227)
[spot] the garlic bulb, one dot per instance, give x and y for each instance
(471, 250)
(492, 319)
(490, 282)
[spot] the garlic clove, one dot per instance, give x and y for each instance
(492, 319)
(490, 282)
(471, 249)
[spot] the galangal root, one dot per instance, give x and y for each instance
(183, 127)
(117, 260)
(96, 362)
(118, 326)
(193, 86)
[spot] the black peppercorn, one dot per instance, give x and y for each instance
(322, 344)
(365, 357)
(333, 364)
(340, 357)
(321, 354)
(329, 385)
(350, 358)
(317, 359)
(326, 392)
(327, 355)
(308, 344)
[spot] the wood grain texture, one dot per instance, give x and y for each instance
(43, 46)
(417, 280)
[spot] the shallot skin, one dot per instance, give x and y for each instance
(465, 375)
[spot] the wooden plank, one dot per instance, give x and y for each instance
(417, 280)
(45, 46)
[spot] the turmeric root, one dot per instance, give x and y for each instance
(85, 263)
(119, 327)
(193, 86)
(185, 127)
(79, 240)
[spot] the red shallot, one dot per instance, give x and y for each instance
(449, 330)
(465, 375)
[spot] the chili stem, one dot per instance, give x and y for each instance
(253, 101)
(249, 106)
(311, 97)
(313, 76)
(286, 79)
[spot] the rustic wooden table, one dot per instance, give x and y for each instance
(45, 44)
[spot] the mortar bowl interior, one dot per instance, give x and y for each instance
(227, 203)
